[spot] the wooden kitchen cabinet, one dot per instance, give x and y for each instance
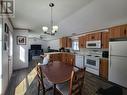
(82, 42)
(63, 57)
(124, 29)
(103, 69)
(69, 43)
(68, 58)
(105, 40)
(65, 42)
(55, 57)
(93, 36)
(118, 31)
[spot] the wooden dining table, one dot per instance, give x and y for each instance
(57, 72)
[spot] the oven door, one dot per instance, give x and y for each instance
(92, 62)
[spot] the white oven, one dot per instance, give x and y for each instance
(92, 63)
(93, 44)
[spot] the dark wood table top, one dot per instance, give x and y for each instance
(57, 72)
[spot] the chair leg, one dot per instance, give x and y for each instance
(54, 89)
(38, 89)
(43, 92)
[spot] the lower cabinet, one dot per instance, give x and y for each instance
(103, 72)
(63, 57)
(55, 57)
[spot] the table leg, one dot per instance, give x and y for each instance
(54, 89)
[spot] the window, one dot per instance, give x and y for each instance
(75, 45)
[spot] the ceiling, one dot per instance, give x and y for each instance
(72, 16)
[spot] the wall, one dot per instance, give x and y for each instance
(20, 51)
(54, 44)
(38, 41)
(6, 70)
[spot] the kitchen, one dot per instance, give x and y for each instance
(96, 53)
(94, 31)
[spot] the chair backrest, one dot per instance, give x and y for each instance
(40, 76)
(76, 82)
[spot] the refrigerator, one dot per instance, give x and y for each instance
(118, 62)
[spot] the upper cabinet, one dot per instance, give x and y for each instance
(69, 43)
(105, 40)
(65, 42)
(104, 37)
(82, 42)
(118, 31)
(93, 36)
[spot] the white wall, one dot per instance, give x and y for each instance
(54, 44)
(38, 41)
(6, 65)
(20, 51)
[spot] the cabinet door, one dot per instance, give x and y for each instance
(118, 31)
(93, 36)
(69, 42)
(124, 30)
(81, 42)
(70, 59)
(63, 42)
(105, 40)
(87, 37)
(63, 58)
(104, 69)
(97, 36)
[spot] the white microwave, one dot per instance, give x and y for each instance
(93, 44)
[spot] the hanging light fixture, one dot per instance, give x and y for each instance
(53, 28)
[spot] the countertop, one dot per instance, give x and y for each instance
(57, 53)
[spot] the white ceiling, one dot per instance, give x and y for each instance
(72, 16)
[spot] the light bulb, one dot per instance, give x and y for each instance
(55, 28)
(45, 29)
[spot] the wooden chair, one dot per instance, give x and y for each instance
(77, 82)
(75, 85)
(43, 84)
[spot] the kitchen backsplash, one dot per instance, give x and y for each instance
(84, 51)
